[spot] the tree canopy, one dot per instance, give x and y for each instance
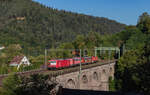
(133, 68)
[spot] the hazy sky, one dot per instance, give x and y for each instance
(124, 11)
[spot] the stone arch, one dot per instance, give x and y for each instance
(104, 76)
(71, 84)
(104, 71)
(111, 73)
(99, 76)
(95, 76)
(84, 79)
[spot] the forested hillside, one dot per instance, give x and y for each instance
(33, 25)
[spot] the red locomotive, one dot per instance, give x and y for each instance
(62, 63)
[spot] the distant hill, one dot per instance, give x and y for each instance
(37, 26)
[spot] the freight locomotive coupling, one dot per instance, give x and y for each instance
(69, 62)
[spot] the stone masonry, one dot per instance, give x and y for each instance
(95, 78)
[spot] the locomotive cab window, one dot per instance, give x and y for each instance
(77, 59)
(53, 62)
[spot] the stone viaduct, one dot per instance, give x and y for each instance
(95, 78)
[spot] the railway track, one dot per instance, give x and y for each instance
(77, 68)
(55, 73)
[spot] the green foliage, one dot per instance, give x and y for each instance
(3, 69)
(137, 40)
(10, 85)
(144, 23)
(7, 55)
(90, 41)
(14, 50)
(37, 27)
(13, 69)
(66, 50)
(132, 70)
(86, 43)
(127, 70)
(37, 85)
(33, 85)
(112, 84)
(79, 42)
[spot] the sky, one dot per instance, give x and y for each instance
(123, 11)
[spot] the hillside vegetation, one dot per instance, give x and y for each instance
(133, 68)
(35, 26)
